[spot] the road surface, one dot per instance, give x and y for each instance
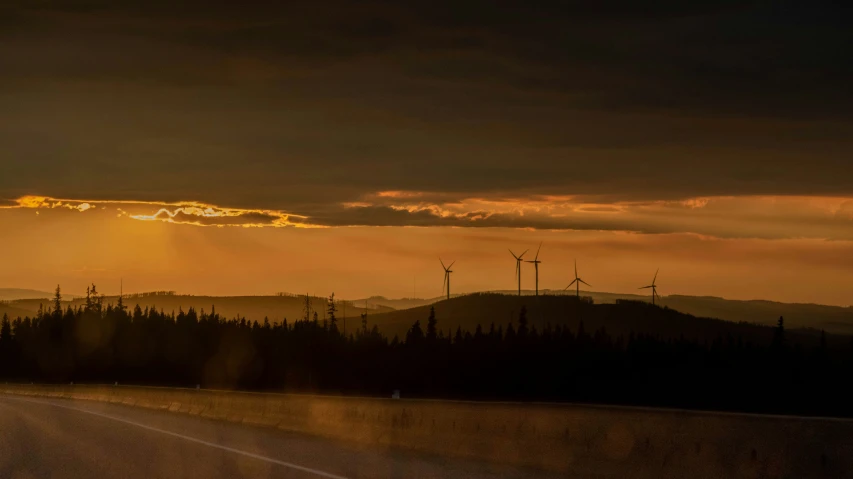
(43, 438)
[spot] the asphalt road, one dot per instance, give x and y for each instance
(41, 438)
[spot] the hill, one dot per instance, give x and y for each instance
(401, 303)
(619, 318)
(12, 294)
(834, 319)
(13, 310)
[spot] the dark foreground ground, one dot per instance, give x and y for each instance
(80, 439)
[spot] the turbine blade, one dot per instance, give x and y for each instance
(451, 265)
(537, 251)
(522, 254)
(576, 268)
(573, 282)
(656, 276)
(584, 282)
(442, 263)
(646, 287)
(513, 254)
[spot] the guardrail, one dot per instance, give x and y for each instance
(583, 440)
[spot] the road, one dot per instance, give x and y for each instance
(43, 438)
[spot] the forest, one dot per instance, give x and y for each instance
(510, 360)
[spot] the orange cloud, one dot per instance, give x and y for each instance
(184, 212)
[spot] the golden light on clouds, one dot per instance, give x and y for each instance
(184, 212)
(46, 202)
(768, 217)
(738, 247)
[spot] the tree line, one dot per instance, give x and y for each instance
(107, 343)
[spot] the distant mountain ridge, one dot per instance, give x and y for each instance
(13, 294)
(254, 308)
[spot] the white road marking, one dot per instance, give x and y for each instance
(191, 439)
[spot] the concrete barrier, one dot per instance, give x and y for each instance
(583, 440)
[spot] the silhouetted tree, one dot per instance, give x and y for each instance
(364, 323)
(415, 334)
(746, 371)
(57, 303)
(307, 308)
(779, 333)
(332, 309)
(5, 329)
(431, 325)
(522, 323)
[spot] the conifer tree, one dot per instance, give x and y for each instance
(332, 309)
(432, 332)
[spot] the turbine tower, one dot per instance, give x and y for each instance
(446, 283)
(577, 282)
(536, 267)
(653, 287)
(518, 261)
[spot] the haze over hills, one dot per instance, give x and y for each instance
(254, 308)
(12, 294)
(399, 303)
(833, 319)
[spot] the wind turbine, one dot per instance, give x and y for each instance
(577, 282)
(653, 287)
(446, 283)
(518, 261)
(536, 267)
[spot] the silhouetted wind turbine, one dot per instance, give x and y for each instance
(447, 271)
(518, 261)
(577, 281)
(654, 287)
(536, 267)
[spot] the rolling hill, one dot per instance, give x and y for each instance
(12, 294)
(400, 303)
(834, 319)
(619, 318)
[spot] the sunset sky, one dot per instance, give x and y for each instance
(344, 146)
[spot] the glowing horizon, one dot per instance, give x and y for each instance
(694, 247)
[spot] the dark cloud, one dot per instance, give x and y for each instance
(755, 217)
(300, 106)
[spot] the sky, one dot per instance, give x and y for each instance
(256, 147)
